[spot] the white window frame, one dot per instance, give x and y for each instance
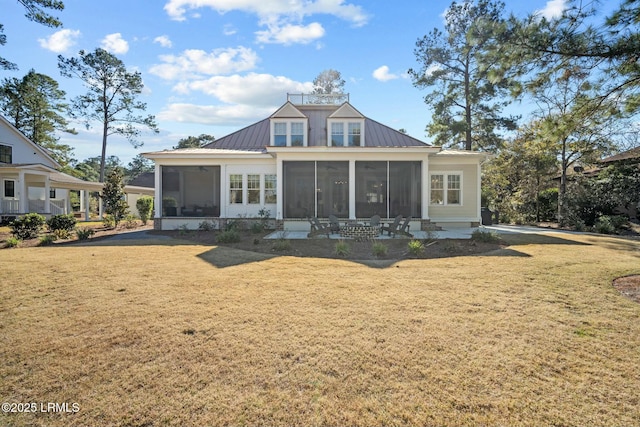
(345, 132)
(258, 189)
(445, 187)
(289, 124)
(274, 189)
(242, 188)
(4, 187)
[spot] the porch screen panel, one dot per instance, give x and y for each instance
(332, 189)
(405, 183)
(299, 189)
(191, 191)
(371, 189)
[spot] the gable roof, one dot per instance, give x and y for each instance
(257, 137)
(7, 124)
(632, 156)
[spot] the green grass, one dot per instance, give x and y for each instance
(177, 333)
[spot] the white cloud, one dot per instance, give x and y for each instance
(283, 18)
(60, 41)
(229, 30)
(114, 43)
(553, 9)
(194, 62)
(252, 89)
(228, 115)
(382, 74)
(289, 34)
(163, 41)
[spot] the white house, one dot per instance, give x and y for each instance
(316, 156)
(31, 183)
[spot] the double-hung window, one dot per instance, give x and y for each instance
(280, 134)
(446, 189)
(6, 155)
(337, 134)
(253, 189)
(354, 135)
(270, 189)
(235, 188)
(297, 134)
(9, 188)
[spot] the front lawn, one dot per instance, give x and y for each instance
(185, 334)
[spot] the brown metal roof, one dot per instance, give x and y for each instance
(257, 136)
(633, 154)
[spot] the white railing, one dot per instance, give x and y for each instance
(57, 207)
(36, 206)
(317, 98)
(8, 206)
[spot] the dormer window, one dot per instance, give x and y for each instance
(346, 133)
(288, 133)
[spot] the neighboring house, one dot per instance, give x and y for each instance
(316, 156)
(31, 183)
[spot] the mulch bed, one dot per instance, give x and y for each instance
(629, 287)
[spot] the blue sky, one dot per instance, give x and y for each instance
(216, 66)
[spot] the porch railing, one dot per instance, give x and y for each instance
(56, 207)
(9, 206)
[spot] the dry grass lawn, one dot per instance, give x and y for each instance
(172, 333)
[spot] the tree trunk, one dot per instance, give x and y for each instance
(467, 108)
(563, 187)
(104, 151)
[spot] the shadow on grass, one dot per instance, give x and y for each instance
(617, 244)
(539, 239)
(222, 257)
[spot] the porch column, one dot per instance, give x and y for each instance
(100, 207)
(426, 185)
(23, 194)
(87, 205)
(157, 203)
(47, 198)
(279, 189)
(352, 189)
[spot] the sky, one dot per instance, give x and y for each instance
(217, 66)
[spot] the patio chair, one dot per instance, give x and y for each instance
(318, 228)
(393, 227)
(404, 228)
(374, 222)
(334, 224)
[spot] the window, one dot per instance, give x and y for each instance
(280, 134)
(190, 191)
(388, 189)
(337, 134)
(270, 189)
(453, 189)
(297, 134)
(235, 188)
(446, 189)
(5, 154)
(9, 188)
(52, 193)
(354, 134)
(253, 189)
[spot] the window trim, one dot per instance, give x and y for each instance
(4, 188)
(241, 188)
(346, 126)
(10, 155)
(289, 123)
(445, 187)
(258, 189)
(274, 189)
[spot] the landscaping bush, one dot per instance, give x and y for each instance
(342, 249)
(605, 225)
(130, 221)
(84, 233)
(12, 242)
(379, 249)
(257, 227)
(144, 205)
(416, 247)
(108, 221)
(206, 226)
(282, 245)
(62, 225)
(61, 234)
(28, 226)
(485, 236)
(229, 236)
(47, 240)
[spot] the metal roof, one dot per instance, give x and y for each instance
(256, 137)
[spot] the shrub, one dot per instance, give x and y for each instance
(206, 226)
(47, 240)
(130, 221)
(145, 205)
(84, 233)
(257, 227)
(108, 221)
(28, 226)
(229, 236)
(62, 234)
(604, 225)
(62, 224)
(12, 242)
(282, 245)
(379, 249)
(416, 247)
(485, 236)
(342, 249)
